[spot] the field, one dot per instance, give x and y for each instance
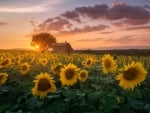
(89, 82)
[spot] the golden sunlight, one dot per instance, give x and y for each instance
(36, 47)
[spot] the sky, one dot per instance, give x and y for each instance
(85, 24)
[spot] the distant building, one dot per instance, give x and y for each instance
(62, 47)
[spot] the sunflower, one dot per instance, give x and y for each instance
(131, 75)
(69, 74)
(83, 75)
(43, 61)
(88, 62)
(69, 59)
(108, 64)
(3, 78)
(44, 84)
(56, 68)
(6, 62)
(25, 67)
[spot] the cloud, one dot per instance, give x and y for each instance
(89, 40)
(133, 15)
(33, 23)
(115, 3)
(95, 12)
(106, 32)
(122, 40)
(54, 24)
(32, 8)
(147, 6)
(128, 40)
(120, 15)
(3, 23)
(85, 29)
(73, 15)
(138, 28)
(130, 14)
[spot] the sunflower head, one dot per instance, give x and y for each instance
(44, 84)
(25, 67)
(68, 75)
(69, 59)
(43, 61)
(3, 78)
(108, 64)
(131, 75)
(6, 62)
(56, 68)
(83, 75)
(88, 62)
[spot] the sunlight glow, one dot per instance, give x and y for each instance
(37, 46)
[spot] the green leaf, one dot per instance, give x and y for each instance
(110, 101)
(71, 93)
(33, 102)
(4, 89)
(94, 96)
(53, 96)
(3, 108)
(95, 86)
(56, 106)
(137, 93)
(136, 104)
(147, 108)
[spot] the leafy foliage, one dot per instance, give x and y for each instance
(43, 40)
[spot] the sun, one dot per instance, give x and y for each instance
(37, 46)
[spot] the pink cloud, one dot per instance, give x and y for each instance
(3, 23)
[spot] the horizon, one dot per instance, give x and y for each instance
(86, 24)
(93, 49)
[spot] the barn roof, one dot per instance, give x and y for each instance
(65, 44)
(61, 44)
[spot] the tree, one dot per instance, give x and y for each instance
(43, 40)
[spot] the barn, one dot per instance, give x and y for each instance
(62, 47)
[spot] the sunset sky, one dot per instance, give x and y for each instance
(85, 24)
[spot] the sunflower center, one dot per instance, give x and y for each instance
(82, 75)
(5, 62)
(1, 77)
(58, 67)
(43, 85)
(107, 63)
(69, 74)
(130, 74)
(88, 62)
(24, 68)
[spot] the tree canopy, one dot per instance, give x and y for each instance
(43, 40)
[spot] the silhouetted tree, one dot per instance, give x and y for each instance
(43, 40)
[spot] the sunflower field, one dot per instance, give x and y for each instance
(32, 82)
